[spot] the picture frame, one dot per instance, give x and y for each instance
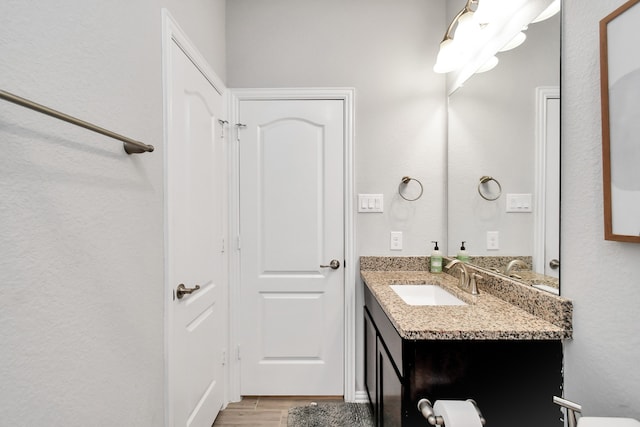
(620, 99)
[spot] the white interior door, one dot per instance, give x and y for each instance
(195, 202)
(291, 223)
(546, 253)
(552, 190)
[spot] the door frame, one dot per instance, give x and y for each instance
(350, 279)
(173, 33)
(543, 94)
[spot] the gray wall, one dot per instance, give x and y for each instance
(81, 223)
(601, 362)
(385, 50)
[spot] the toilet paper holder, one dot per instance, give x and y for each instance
(426, 409)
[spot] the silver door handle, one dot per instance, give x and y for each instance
(182, 290)
(335, 264)
(554, 263)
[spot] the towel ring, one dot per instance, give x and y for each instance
(485, 179)
(405, 181)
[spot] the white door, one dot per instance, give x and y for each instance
(195, 179)
(291, 224)
(552, 190)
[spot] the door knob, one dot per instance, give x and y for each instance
(182, 290)
(335, 264)
(554, 263)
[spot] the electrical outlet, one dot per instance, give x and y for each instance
(396, 241)
(493, 240)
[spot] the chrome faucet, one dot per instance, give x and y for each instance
(473, 283)
(513, 264)
(468, 281)
(464, 273)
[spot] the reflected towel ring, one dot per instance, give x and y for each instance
(485, 179)
(405, 181)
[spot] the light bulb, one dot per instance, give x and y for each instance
(448, 57)
(490, 64)
(487, 11)
(551, 10)
(467, 28)
(515, 42)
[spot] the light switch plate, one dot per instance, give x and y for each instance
(519, 202)
(372, 203)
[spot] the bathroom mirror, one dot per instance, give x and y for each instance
(504, 124)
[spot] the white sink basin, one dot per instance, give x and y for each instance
(426, 295)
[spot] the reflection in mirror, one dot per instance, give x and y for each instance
(504, 124)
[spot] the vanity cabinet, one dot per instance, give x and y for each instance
(382, 380)
(371, 361)
(390, 386)
(513, 381)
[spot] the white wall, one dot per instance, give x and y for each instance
(385, 50)
(81, 223)
(601, 277)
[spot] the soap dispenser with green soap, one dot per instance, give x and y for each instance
(435, 261)
(463, 255)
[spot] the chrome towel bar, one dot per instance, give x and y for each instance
(131, 146)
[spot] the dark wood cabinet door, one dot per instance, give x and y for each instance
(370, 363)
(390, 391)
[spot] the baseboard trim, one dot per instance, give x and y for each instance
(361, 396)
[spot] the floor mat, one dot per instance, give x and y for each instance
(343, 414)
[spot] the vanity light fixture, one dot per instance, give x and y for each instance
(450, 56)
(481, 30)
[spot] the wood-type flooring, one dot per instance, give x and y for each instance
(265, 411)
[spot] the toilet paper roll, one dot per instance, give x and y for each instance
(457, 413)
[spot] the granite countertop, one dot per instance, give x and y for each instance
(486, 317)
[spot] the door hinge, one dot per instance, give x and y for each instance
(223, 123)
(238, 353)
(238, 243)
(223, 248)
(224, 357)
